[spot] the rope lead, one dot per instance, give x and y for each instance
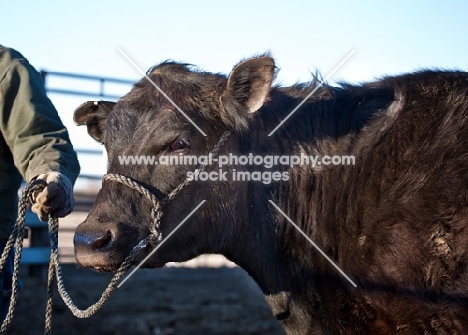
(55, 270)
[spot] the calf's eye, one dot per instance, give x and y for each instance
(179, 145)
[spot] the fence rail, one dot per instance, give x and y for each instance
(102, 81)
(92, 153)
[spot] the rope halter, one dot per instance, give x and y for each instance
(17, 235)
(155, 235)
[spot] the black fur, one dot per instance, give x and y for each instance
(395, 222)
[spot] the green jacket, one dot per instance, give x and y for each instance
(33, 139)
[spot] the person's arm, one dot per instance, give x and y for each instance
(31, 126)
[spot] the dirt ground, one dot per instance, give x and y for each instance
(168, 301)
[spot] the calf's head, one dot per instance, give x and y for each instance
(155, 119)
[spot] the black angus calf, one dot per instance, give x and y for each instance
(395, 221)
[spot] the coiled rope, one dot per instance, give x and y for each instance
(55, 270)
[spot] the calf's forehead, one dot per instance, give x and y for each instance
(162, 98)
(158, 96)
(128, 125)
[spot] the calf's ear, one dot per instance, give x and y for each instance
(93, 114)
(248, 86)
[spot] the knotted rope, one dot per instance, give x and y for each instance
(55, 270)
(16, 238)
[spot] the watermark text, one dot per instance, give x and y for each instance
(268, 161)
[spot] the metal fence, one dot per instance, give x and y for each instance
(82, 85)
(102, 82)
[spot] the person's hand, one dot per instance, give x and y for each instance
(56, 198)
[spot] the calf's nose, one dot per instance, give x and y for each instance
(92, 248)
(92, 241)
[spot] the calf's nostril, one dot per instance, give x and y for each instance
(103, 240)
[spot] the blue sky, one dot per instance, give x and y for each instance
(304, 36)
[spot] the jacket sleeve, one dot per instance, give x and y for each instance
(30, 123)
